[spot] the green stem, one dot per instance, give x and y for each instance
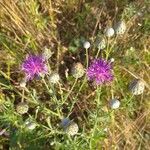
(70, 91)
(98, 53)
(87, 58)
(98, 95)
(107, 49)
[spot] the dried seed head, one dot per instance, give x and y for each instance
(22, 108)
(86, 45)
(120, 27)
(137, 87)
(72, 129)
(100, 43)
(78, 70)
(109, 32)
(54, 78)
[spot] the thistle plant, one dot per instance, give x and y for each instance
(60, 63)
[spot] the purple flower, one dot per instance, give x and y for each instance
(100, 71)
(33, 66)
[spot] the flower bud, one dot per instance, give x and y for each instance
(100, 43)
(114, 103)
(72, 129)
(86, 45)
(109, 32)
(120, 27)
(30, 124)
(22, 108)
(137, 87)
(78, 70)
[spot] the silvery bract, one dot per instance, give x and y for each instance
(114, 103)
(54, 78)
(86, 45)
(120, 27)
(137, 87)
(100, 43)
(109, 32)
(78, 70)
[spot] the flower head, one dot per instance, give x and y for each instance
(100, 71)
(34, 65)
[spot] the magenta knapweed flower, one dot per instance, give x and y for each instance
(33, 66)
(100, 71)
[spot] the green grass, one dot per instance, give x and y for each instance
(61, 26)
